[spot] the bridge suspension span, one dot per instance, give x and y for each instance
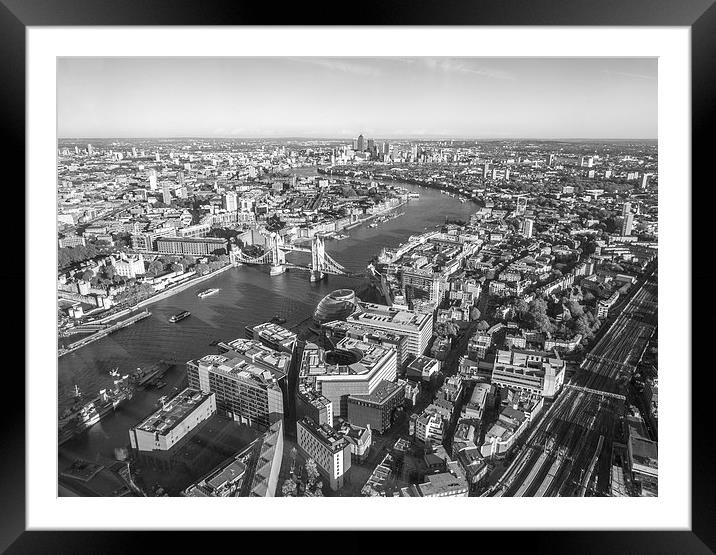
(321, 262)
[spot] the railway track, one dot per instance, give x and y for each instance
(569, 452)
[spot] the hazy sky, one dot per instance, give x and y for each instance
(342, 97)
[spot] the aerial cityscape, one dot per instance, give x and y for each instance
(422, 312)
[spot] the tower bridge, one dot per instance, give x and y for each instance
(275, 256)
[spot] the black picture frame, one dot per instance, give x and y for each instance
(700, 15)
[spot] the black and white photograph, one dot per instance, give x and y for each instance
(357, 277)
(416, 273)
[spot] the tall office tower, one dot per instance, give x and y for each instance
(626, 208)
(360, 146)
(180, 177)
(355, 144)
(371, 145)
(156, 156)
(77, 149)
(521, 205)
(231, 201)
(90, 150)
(386, 148)
(627, 224)
(152, 180)
(549, 159)
(414, 152)
(527, 227)
(134, 152)
(486, 170)
(166, 193)
(644, 180)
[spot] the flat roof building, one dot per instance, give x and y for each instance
(428, 426)
(444, 484)
(339, 329)
(161, 432)
(192, 245)
(378, 408)
(244, 391)
(422, 368)
(478, 346)
(257, 353)
(313, 405)
(353, 368)
(418, 328)
(534, 372)
(273, 336)
(330, 450)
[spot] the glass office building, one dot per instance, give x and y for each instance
(337, 305)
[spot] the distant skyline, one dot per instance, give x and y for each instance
(386, 98)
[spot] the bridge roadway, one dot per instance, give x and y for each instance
(569, 451)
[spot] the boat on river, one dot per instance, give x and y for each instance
(82, 416)
(179, 316)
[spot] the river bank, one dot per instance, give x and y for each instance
(103, 333)
(179, 287)
(151, 300)
(247, 296)
(173, 290)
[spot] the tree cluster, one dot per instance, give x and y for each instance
(274, 223)
(135, 294)
(311, 484)
(224, 232)
(70, 256)
(448, 329)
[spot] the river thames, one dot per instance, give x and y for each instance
(248, 296)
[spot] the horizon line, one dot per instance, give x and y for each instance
(404, 138)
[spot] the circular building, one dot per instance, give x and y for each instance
(337, 305)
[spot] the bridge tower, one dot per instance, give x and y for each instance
(278, 257)
(318, 258)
